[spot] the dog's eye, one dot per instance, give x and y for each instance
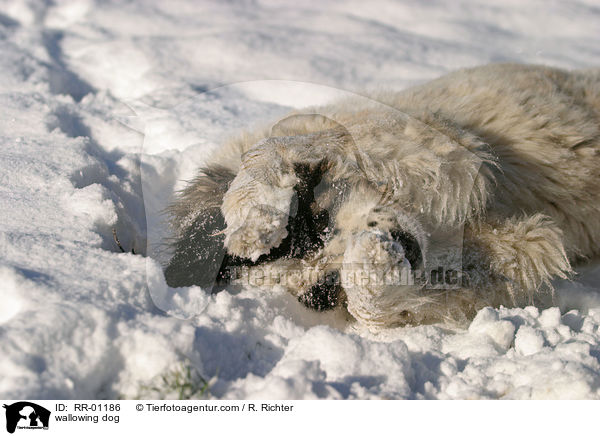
(412, 250)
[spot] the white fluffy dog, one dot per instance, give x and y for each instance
(409, 207)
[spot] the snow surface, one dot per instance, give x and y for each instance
(106, 106)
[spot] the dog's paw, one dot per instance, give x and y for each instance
(377, 281)
(529, 253)
(256, 208)
(263, 228)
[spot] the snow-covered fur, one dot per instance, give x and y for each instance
(474, 189)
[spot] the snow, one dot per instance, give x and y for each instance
(107, 106)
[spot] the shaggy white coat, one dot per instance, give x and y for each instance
(500, 164)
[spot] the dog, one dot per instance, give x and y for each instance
(412, 207)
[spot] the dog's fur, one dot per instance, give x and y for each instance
(504, 159)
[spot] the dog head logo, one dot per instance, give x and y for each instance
(26, 415)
